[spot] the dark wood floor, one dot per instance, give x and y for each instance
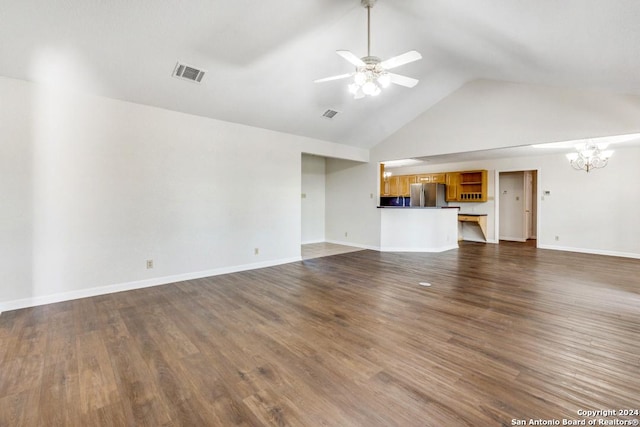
(504, 332)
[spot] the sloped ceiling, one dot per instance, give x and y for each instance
(262, 57)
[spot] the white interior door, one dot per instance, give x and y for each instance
(512, 207)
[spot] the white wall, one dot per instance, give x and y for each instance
(487, 114)
(588, 212)
(16, 194)
(352, 197)
(93, 187)
(313, 198)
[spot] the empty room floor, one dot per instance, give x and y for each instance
(504, 333)
(317, 250)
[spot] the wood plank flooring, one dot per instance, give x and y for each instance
(504, 333)
(317, 250)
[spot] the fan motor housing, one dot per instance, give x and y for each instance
(368, 3)
(371, 64)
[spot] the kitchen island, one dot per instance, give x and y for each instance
(417, 229)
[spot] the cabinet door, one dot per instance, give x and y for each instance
(452, 186)
(404, 184)
(394, 186)
(438, 177)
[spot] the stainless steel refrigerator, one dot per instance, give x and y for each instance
(428, 195)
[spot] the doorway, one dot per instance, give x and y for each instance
(518, 206)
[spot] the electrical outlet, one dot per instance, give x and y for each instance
(149, 264)
(256, 251)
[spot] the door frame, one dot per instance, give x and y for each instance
(538, 205)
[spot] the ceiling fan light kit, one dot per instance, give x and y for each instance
(371, 75)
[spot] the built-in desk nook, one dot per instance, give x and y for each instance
(478, 219)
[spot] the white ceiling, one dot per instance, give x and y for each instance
(262, 56)
(562, 147)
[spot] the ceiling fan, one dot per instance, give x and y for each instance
(371, 74)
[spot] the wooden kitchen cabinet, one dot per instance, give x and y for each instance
(439, 178)
(472, 186)
(399, 185)
(404, 184)
(464, 186)
(429, 178)
(451, 180)
(393, 184)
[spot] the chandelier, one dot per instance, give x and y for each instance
(589, 156)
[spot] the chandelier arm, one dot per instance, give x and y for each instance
(589, 157)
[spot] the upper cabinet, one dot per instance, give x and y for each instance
(451, 180)
(464, 186)
(431, 178)
(399, 185)
(472, 186)
(396, 185)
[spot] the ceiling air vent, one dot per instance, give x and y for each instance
(329, 114)
(187, 72)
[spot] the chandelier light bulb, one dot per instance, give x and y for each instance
(360, 78)
(353, 88)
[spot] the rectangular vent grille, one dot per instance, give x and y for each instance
(188, 72)
(329, 114)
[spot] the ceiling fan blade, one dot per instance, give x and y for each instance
(403, 80)
(328, 79)
(399, 60)
(349, 56)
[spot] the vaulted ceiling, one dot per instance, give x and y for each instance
(261, 57)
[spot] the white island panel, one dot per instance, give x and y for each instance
(418, 229)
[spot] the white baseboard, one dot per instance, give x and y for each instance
(108, 289)
(480, 240)
(394, 249)
(355, 245)
(308, 242)
(400, 249)
(513, 239)
(590, 251)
